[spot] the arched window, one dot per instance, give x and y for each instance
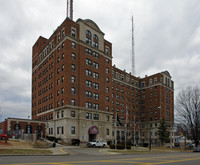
(88, 37)
(95, 41)
(88, 33)
(29, 129)
(96, 37)
(17, 127)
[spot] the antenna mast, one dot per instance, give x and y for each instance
(70, 9)
(133, 51)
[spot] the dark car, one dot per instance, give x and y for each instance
(197, 149)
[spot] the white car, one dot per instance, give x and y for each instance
(96, 143)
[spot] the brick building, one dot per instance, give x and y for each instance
(78, 92)
(18, 127)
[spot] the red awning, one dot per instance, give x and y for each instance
(93, 130)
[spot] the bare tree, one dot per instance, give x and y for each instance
(188, 113)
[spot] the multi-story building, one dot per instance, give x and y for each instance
(78, 91)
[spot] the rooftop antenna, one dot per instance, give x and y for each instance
(70, 9)
(133, 51)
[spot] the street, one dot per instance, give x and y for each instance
(84, 159)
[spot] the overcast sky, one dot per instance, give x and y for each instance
(167, 37)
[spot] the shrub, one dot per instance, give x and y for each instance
(109, 142)
(75, 141)
(120, 146)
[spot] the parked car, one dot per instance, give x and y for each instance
(197, 149)
(96, 143)
(3, 137)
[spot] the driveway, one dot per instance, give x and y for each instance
(77, 150)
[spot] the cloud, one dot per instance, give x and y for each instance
(166, 37)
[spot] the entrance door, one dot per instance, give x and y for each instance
(92, 132)
(92, 137)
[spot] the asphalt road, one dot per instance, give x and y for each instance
(84, 159)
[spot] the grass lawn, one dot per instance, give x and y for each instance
(24, 151)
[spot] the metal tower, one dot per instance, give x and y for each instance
(133, 51)
(70, 9)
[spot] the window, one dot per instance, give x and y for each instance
(58, 37)
(73, 102)
(58, 93)
(62, 113)
(88, 41)
(88, 83)
(88, 33)
(73, 90)
(96, 55)
(73, 56)
(95, 106)
(88, 62)
(107, 89)
(58, 70)
(88, 72)
(62, 91)
(107, 98)
(57, 115)
(62, 130)
(107, 108)
(63, 55)
(88, 105)
(150, 82)
(73, 67)
(88, 51)
(62, 102)
(155, 80)
(122, 77)
(88, 37)
(57, 130)
(58, 60)
(107, 70)
(96, 85)
(88, 116)
(96, 38)
(73, 130)
(73, 79)
(107, 51)
(96, 65)
(107, 61)
(63, 44)
(62, 79)
(73, 45)
(72, 113)
(58, 103)
(88, 94)
(63, 33)
(62, 67)
(107, 79)
(96, 116)
(96, 44)
(143, 84)
(95, 75)
(96, 96)
(73, 33)
(107, 131)
(58, 82)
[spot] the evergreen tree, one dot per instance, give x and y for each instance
(162, 131)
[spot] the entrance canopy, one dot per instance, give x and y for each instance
(93, 130)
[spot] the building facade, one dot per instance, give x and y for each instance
(16, 128)
(79, 93)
